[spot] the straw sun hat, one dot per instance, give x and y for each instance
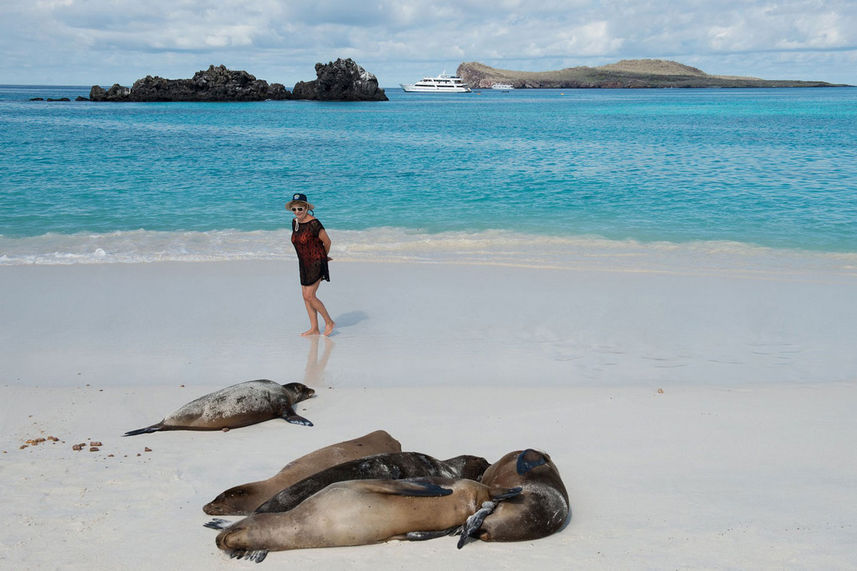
(298, 198)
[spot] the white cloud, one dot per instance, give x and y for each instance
(105, 40)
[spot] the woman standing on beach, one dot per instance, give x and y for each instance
(312, 245)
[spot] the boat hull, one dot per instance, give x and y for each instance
(412, 88)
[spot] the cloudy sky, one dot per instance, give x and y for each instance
(83, 42)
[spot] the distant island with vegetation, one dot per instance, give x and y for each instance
(636, 73)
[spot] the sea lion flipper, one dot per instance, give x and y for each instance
(289, 415)
(297, 419)
(407, 487)
(148, 429)
(506, 494)
(426, 535)
(470, 529)
(217, 523)
(529, 459)
(257, 555)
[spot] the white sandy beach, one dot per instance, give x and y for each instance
(701, 415)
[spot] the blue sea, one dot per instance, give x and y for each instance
(487, 174)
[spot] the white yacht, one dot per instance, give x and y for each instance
(443, 83)
(503, 86)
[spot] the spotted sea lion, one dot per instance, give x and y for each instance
(541, 509)
(239, 405)
(389, 466)
(243, 499)
(359, 512)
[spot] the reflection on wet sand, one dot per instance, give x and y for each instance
(314, 371)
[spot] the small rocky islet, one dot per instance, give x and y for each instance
(340, 80)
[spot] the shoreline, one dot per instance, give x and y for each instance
(394, 245)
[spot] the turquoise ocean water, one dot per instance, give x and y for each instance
(531, 172)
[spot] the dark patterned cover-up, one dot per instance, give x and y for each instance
(312, 259)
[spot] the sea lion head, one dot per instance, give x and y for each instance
(239, 500)
(522, 466)
(299, 391)
(235, 539)
(541, 509)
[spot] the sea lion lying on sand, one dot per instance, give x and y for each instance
(388, 466)
(359, 512)
(540, 510)
(244, 499)
(239, 405)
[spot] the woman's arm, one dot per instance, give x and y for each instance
(325, 239)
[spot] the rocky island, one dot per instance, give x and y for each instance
(342, 80)
(217, 83)
(638, 73)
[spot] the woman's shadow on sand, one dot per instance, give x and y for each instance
(350, 319)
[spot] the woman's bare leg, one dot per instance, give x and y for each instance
(314, 306)
(313, 319)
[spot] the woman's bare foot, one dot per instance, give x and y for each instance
(328, 327)
(309, 332)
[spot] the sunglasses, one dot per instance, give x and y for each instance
(298, 209)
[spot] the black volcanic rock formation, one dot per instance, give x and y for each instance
(115, 93)
(340, 80)
(214, 84)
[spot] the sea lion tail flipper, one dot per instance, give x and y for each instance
(148, 429)
(217, 523)
(426, 535)
(470, 529)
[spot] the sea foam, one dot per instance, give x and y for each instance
(396, 245)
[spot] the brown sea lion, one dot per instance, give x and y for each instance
(239, 405)
(388, 466)
(359, 512)
(541, 509)
(244, 499)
